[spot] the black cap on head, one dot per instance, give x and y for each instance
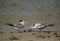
(20, 20)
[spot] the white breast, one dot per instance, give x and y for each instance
(16, 28)
(22, 23)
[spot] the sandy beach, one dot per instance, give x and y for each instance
(31, 11)
(30, 36)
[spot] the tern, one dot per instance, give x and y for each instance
(41, 26)
(19, 26)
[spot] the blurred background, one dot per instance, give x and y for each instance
(32, 11)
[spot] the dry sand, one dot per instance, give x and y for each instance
(27, 36)
(30, 36)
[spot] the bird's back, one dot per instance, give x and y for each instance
(15, 25)
(19, 25)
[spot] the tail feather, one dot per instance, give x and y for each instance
(9, 24)
(50, 25)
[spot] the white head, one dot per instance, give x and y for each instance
(22, 22)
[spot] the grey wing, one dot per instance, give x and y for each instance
(19, 25)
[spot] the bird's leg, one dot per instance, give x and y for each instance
(39, 30)
(21, 30)
(18, 30)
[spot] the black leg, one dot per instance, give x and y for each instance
(40, 30)
(18, 30)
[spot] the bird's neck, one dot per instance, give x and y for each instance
(22, 23)
(33, 26)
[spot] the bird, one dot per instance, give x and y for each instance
(19, 26)
(41, 26)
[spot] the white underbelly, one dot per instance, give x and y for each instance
(16, 28)
(40, 26)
